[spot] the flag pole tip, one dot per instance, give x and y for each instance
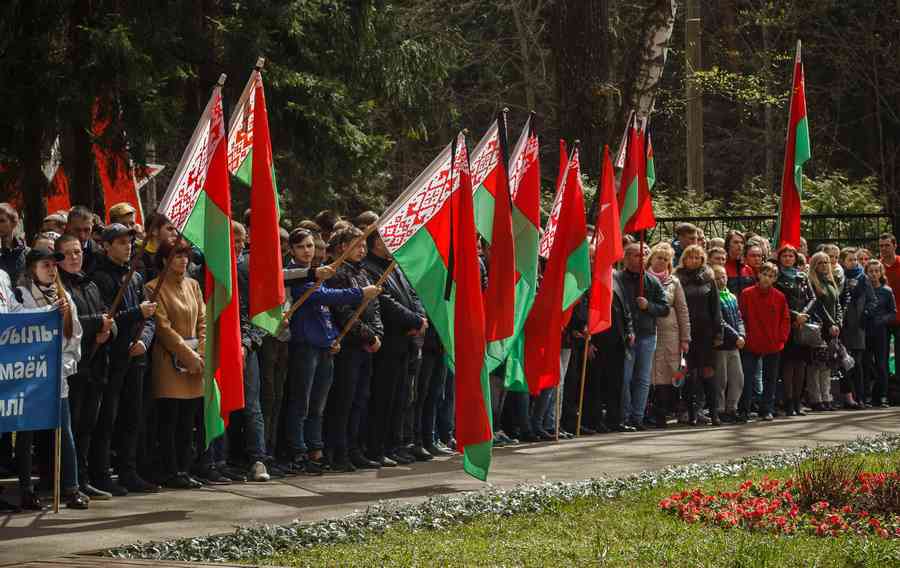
(221, 80)
(505, 110)
(260, 62)
(465, 131)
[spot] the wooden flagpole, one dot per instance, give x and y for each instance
(57, 458)
(365, 302)
(338, 261)
(584, 360)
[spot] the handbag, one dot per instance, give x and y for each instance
(191, 342)
(808, 335)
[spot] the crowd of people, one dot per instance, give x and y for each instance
(702, 332)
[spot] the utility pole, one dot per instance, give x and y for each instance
(694, 98)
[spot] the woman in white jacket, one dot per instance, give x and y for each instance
(40, 288)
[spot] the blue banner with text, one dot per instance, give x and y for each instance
(30, 370)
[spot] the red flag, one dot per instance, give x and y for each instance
(266, 295)
(114, 169)
(607, 250)
(565, 279)
(635, 205)
(796, 152)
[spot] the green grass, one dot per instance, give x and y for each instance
(628, 531)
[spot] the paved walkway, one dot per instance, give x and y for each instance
(167, 515)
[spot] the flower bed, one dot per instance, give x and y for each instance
(867, 504)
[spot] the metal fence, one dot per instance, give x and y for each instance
(861, 229)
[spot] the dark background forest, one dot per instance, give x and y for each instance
(362, 94)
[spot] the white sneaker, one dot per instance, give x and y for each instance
(258, 472)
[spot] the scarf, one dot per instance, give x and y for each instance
(661, 276)
(44, 294)
(790, 271)
(853, 273)
(725, 295)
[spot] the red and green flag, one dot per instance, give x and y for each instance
(796, 152)
(250, 160)
(493, 219)
(607, 250)
(198, 203)
(635, 205)
(430, 231)
(525, 189)
(566, 277)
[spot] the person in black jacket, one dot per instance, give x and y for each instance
(607, 353)
(122, 409)
(254, 431)
(877, 339)
(349, 397)
(705, 312)
(80, 224)
(645, 304)
(12, 247)
(404, 319)
(858, 302)
(794, 284)
(86, 386)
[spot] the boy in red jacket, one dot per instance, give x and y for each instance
(767, 320)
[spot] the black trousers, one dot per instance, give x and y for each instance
(85, 397)
(608, 369)
(347, 402)
(122, 416)
(572, 390)
(434, 376)
(177, 418)
(390, 372)
(877, 353)
(411, 398)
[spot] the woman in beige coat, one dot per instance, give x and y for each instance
(177, 362)
(673, 333)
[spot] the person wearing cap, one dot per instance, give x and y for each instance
(122, 409)
(123, 213)
(54, 222)
(87, 384)
(40, 288)
(80, 224)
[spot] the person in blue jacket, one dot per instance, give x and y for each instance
(313, 344)
(882, 314)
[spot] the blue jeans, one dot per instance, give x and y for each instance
(565, 355)
(638, 366)
(69, 466)
(312, 372)
(751, 362)
(254, 425)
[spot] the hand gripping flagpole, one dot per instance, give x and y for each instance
(362, 305)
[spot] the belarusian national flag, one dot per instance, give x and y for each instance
(566, 277)
(796, 153)
(494, 223)
(651, 164)
(525, 188)
(250, 160)
(635, 206)
(430, 231)
(607, 250)
(198, 203)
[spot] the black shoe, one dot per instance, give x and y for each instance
(385, 461)
(623, 428)
(362, 462)
(404, 453)
(399, 458)
(601, 428)
(342, 467)
(587, 431)
(530, 437)
(639, 427)
(768, 417)
(884, 404)
(546, 436)
(212, 476)
(76, 500)
(436, 451)
(233, 474)
(95, 494)
(31, 502)
(309, 467)
(111, 487)
(421, 454)
(182, 481)
(134, 484)
(716, 421)
(742, 418)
